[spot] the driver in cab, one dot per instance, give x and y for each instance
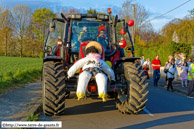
(55, 49)
(84, 36)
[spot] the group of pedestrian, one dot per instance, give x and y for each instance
(187, 74)
(171, 69)
(155, 66)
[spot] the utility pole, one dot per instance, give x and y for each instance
(133, 30)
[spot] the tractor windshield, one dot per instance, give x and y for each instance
(88, 30)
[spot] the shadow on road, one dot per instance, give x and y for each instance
(163, 121)
(91, 108)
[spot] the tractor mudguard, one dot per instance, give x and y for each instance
(52, 58)
(125, 59)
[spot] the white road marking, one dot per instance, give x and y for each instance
(148, 112)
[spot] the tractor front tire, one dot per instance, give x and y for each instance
(132, 100)
(53, 85)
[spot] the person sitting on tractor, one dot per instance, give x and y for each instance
(84, 36)
(55, 49)
(102, 36)
(102, 39)
(92, 65)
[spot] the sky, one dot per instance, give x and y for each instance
(155, 7)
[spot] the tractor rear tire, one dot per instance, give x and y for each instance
(53, 85)
(132, 100)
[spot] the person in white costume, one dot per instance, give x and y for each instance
(92, 65)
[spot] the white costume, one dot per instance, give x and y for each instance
(92, 67)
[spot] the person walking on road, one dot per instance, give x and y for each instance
(142, 60)
(184, 75)
(156, 70)
(191, 79)
(146, 67)
(172, 69)
(169, 61)
(189, 61)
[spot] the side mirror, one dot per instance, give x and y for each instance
(52, 27)
(63, 16)
(124, 26)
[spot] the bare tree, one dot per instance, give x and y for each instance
(67, 12)
(141, 18)
(73, 11)
(126, 10)
(141, 15)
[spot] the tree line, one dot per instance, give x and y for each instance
(22, 32)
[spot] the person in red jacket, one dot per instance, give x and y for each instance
(56, 48)
(156, 70)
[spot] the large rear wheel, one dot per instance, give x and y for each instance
(131, 99)
(53, 85)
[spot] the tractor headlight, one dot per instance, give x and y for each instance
(106, 17)
(102, 17)
(78, 16)
(75, 16)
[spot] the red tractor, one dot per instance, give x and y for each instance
(130, 90)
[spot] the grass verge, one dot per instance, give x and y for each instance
(19, 78)
(15, 72)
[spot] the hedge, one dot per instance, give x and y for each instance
(162, 50)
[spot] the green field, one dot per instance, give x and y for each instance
(14, 70)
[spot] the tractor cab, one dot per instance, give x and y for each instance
(79, 29)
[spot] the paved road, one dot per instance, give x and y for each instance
(169, 110)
